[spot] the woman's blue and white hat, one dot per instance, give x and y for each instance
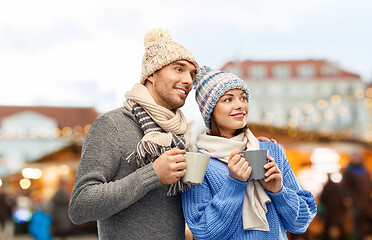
(210, 85)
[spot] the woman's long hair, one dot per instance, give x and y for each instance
(215, 131)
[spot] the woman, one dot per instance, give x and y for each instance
(226, 205)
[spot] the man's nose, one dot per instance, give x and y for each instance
(187, 79)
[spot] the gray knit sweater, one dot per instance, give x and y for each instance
(126, 201)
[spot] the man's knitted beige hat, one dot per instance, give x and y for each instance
(161, 50)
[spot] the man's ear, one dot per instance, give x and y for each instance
(150, 78)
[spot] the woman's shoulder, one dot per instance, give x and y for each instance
(275, 151)
(269, 145)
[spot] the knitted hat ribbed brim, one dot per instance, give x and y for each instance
(210, 85)
(161, 50)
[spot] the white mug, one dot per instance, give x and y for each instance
(197, 164)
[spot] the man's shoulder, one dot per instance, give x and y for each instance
(120, 120)
(119, 115)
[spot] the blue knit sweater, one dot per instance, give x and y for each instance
(213, 210)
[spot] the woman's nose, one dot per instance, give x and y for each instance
(239, 104)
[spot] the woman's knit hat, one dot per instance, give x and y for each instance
(161, 50)
(210, 85)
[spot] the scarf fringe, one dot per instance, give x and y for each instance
(150, 150)
(146, 150)
(177, 187)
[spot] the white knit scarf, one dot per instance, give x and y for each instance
(255, 199)
(171, 122)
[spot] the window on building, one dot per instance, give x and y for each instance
(306, 71)
(329, 70)
(286, 90)
(264, 91)
(257, 71)
(282, 71)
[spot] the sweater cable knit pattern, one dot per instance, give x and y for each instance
(213, 209)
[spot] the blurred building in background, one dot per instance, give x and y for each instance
(314, 95)
(29, 133)
(39, 148)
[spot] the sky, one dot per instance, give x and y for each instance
(88, 53)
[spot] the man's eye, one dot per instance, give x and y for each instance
(178, 69)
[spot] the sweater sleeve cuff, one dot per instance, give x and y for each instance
(233, 187)
(279, 197)
(149, 177)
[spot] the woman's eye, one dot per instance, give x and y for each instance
(227, 100)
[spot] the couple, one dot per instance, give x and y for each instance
(129, 176)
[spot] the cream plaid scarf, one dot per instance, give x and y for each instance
(163, 130)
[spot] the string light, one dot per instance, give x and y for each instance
(359, 93)
(56, 133)
(268, 119)
(86, 128)
(329, 114)
(66, 131)
(32, 133)
(25, 183)
(292, 132)
(295, 111)
(341, 111)
(308, 108)
(31, 173)
(367, 103)
(22, 134)
(10, 136)
(336, 99)
(64, 169)
(305, 120)
(292, 123)
(317, 118)
(368, 136)
(78, 132)
(369, 92)
(321, 104)
(347, 132)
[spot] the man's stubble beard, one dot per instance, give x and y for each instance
(170, 99)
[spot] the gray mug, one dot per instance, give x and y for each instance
(257, 160)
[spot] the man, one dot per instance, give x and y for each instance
(61, 225)
(357, 186)
(6, 209)
(131, 164)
